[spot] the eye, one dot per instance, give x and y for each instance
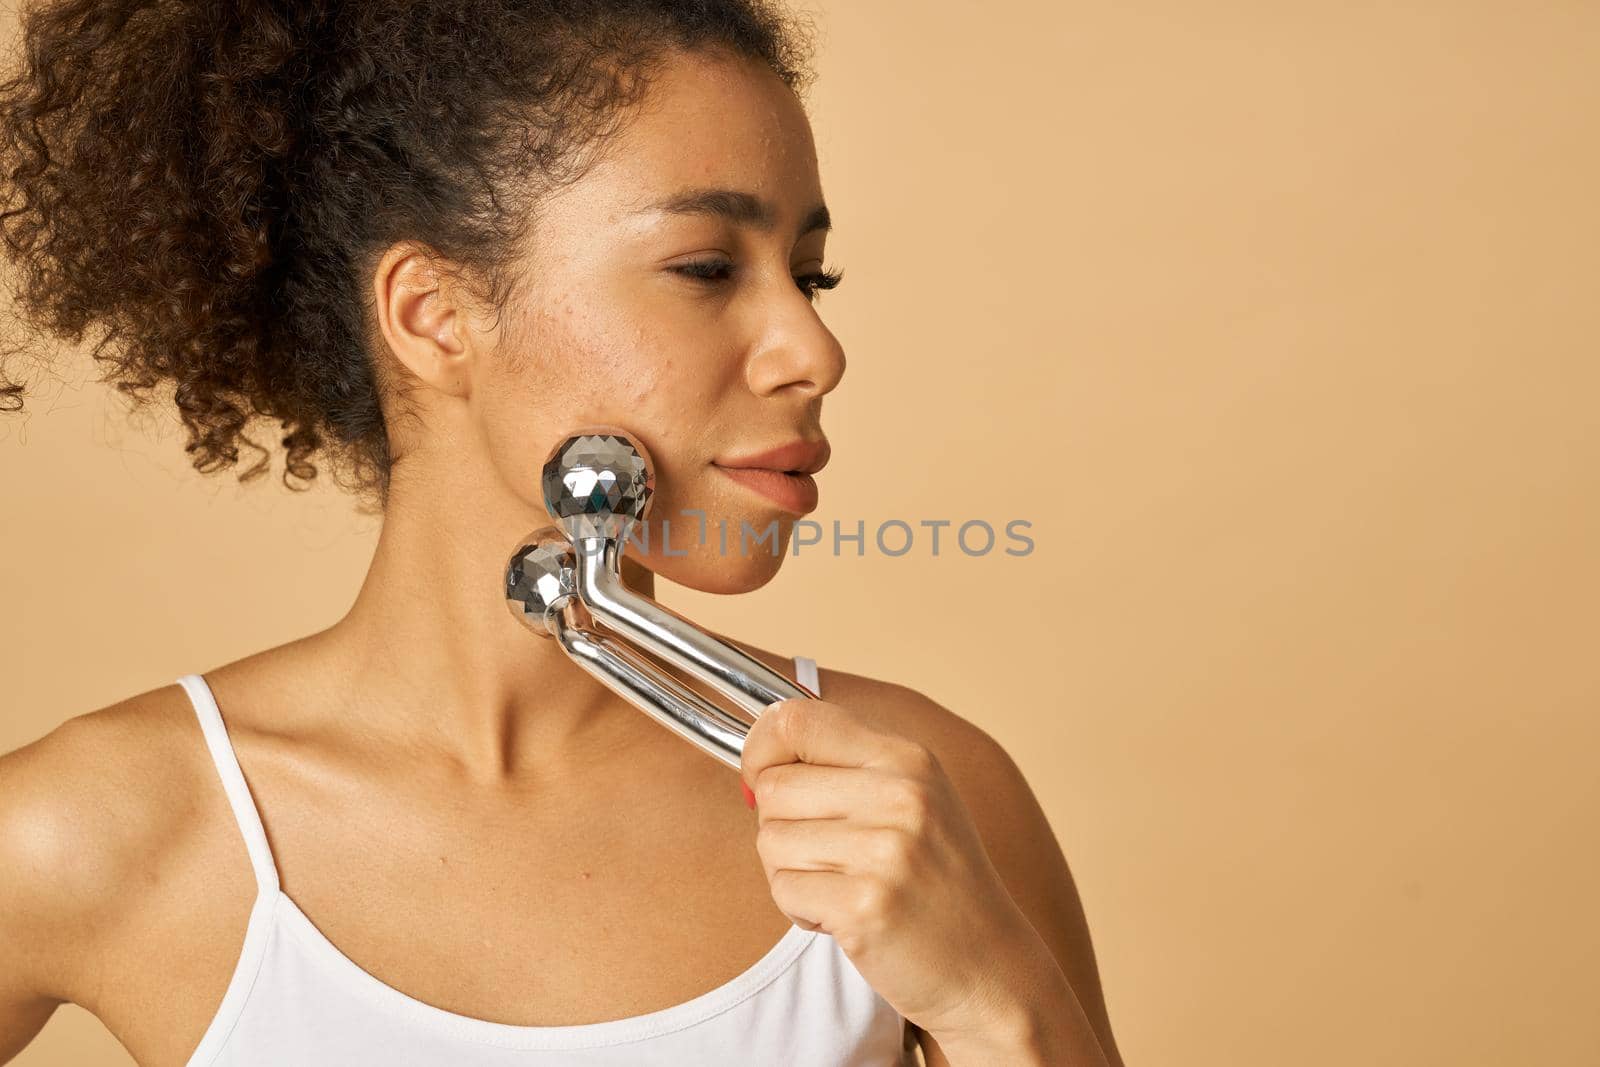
(718, 270)
(825, 279)
(705, 270)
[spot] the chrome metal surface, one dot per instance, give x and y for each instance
(566, 583)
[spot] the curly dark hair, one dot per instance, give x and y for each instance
(208, 183)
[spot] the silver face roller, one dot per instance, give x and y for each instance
(597, 485)
(541, 592)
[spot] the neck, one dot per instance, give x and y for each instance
(442, 664)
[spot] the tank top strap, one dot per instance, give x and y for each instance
(805, 672)
(233, 783)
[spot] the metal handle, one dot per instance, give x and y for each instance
(598, 484)
(663, 698)
(741, 678)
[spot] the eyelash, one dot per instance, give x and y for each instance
(811, 284)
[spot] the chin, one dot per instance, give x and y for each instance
(705, 568)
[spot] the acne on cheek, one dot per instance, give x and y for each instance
(642, 379)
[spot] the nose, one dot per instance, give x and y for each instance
(796, 352)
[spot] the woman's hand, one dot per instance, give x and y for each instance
(865, 838)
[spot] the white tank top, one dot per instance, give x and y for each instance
(295, 1000)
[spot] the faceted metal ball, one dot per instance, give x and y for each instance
(597, 483)
(541, 577)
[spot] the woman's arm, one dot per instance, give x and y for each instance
(74, 816)
(1021, 844)
(22, 1014)
(35, 847)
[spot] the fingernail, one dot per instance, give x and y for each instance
(749, 797)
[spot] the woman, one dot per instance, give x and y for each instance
(429, 239)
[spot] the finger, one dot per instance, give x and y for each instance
(814, 731)
(829, 901)
(828, 845)
(869, 796)
(831, 845)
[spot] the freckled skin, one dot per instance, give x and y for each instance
(608, 333)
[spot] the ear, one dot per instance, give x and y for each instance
(423, 318)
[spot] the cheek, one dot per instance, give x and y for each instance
(669, 395)
(574, 370)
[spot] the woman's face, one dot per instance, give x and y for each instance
(694, 329)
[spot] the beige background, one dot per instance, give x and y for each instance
(1278, 322)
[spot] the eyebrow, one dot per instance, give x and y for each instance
(737, 206)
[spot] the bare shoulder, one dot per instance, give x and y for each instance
(88, 814)
(1016, 833)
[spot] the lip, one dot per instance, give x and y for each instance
(796, 457)
(795, 492)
